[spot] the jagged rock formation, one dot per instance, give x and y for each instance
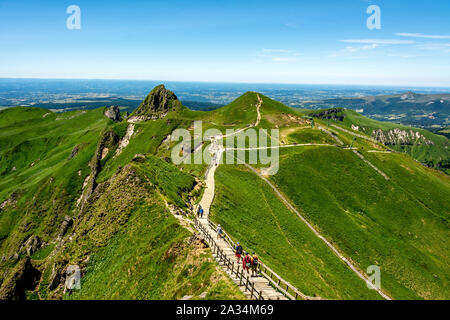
(108, 141)
(24, 277)
(32, 244)
(400, 137)
(66, 224)
(126, 139)
(158, 103)
(113, 113)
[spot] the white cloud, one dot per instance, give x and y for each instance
(445, 47)
(362, 48)
(275, 51)
(284, 59)
(379, 41)
(420, 35)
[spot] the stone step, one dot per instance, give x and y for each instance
(259, 283)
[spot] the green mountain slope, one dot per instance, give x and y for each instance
(40, 212)
(77, 188)
(428, 148)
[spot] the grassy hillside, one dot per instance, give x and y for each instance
(78, 188)
(163, 262)
(399, 224)
(432, 150)
(250, 211)
(52, 155)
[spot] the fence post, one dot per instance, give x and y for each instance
(242, 274)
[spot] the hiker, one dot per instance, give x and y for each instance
(200, 211)
(255, 262)
(238, 252)
(246, 262)
(219, 231)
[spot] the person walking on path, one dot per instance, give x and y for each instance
(247, 262)
(238, 252)
(255, 262)
(219, 231)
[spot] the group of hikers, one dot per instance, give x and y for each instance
(248, 261)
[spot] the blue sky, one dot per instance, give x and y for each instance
(321, 41)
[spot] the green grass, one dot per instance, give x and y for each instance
(142, 251)
(400, 225)
(250, 211)
(126, 231)
(436, 155)
(43, 252)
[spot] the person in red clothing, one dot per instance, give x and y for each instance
(247, 262)
(238, 252)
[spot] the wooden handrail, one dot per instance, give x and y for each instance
(269, 274)
(227, 262)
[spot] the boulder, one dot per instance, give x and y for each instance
(113, 113)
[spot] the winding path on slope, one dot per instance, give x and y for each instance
(209, 194)
(261, 284)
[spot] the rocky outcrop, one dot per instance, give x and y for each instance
(126, 139)
(24, 277)
(65, 225)
(400, 137)
(32, 244)
(11, 201)
(198, 240)
(56, 277)
(156, 105)
(108, 141)
(113, 113)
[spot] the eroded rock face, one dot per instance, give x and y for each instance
(400, 137)
(156, 105)
(113, 113)
(66, 224)
(32, 244)
(25, 277)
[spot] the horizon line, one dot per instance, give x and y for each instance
(231, 82)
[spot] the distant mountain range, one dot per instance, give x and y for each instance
(431, 111)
